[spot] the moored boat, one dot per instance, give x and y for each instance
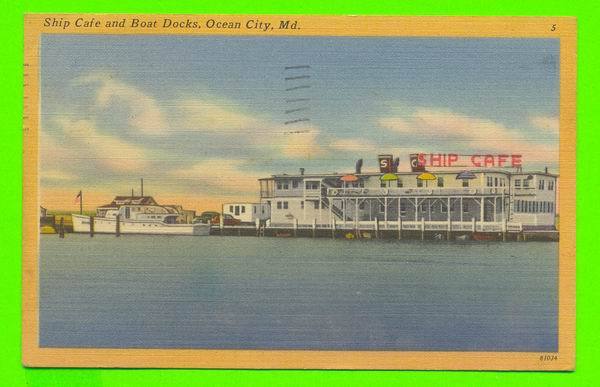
(140, 215)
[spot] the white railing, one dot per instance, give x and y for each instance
(410, 225)
(393, 191)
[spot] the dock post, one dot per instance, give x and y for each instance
(314, 228)
(91, 226)
(295, 227)
(449, 231)
(61, 228)
(504, 227)
(333, 227)
(118, 226)
(376, 228)
(399, 227)
(474, 225)
(257, 225)
(221, 224)
(422, 229)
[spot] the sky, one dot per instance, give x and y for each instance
(201, 118)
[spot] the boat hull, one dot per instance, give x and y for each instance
(81, 224)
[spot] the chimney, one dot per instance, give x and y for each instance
(142, 188)
(302, 171)
(546, 170)
(132, 192)
(358, 166)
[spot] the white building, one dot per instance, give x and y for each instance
(487, 196)
(248, 212)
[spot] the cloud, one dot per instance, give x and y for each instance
(545, 122)
(474, 134)
(353, 145)
(219, 174)
(216, 117)
(145, 115)
(57, 174)
(89, 145)
(300, 143)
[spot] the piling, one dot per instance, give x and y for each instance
(91, 226)
(61, 228)
(333, 227)
(314, 228)
(118, 226)
(399, 227)
(221, 224)
(376, 228)
(422, 229)
(474, 225)
(295, 227)
(257, 225)
(449, 231)
(504, 227)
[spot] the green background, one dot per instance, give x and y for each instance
(588, 272)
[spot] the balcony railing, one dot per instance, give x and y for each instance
(409, 192)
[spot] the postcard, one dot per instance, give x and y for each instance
(293, 192)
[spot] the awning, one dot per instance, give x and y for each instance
(465, 175)
(388, 177)
(349, 178)
(426, 176)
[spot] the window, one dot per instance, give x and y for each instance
(399, 183)
(230, 208)
(489, 181)
(286, 185)
(518, 183)
(495, 182)
(541, 184)
(443, 208)
(440, 181)
(517, 204)
(316, 205)
(465, 183)
(243, 209)
(402, 207)
(295, 184)
(465, 207)
(312, 185)
(279, 205)
(279, 186)
(525, 183)
(302, 204)
(285, 205)
(254, 210)
(550, 185)
(419, 183)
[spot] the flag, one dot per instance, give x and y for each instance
(78, 197)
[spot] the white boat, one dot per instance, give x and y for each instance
(137, 217)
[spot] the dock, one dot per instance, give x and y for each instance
(423, 230)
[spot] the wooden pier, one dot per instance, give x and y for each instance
(424, 230)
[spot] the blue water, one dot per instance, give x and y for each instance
(286, 293)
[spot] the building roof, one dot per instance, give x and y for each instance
(130, 200)
(406, 173)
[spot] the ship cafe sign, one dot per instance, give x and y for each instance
(419, 162)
